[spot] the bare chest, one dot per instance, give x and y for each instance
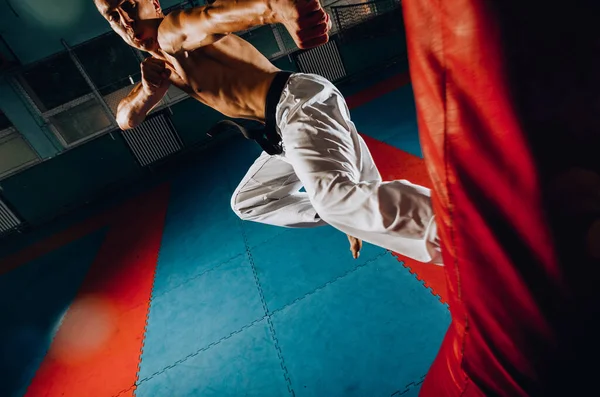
(197, 75)
(191, 73)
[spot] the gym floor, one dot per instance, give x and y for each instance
(167, 293)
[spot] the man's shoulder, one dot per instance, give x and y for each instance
(170, 32)
(183, 28)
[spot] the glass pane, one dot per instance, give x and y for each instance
(81, 121)
(109, 62)
(4, 121)
(55, 82)
(15, 152)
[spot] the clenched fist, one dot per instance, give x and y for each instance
(305, 20)
(155, 76)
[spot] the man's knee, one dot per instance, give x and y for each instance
(236, 207)
(326, 209)
(328, 197)
(244, 212)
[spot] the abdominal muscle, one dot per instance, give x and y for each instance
(230, 76)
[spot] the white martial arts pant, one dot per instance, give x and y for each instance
(324, 154)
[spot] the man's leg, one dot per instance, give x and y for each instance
(336, 169)
(270, 194)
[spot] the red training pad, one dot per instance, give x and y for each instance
(508, 101)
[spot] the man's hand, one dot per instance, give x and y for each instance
(132, 110)
(305, 20)
(155, 77)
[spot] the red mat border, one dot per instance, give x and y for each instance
(121, 282)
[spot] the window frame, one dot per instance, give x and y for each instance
(28, 93)
(7, 135)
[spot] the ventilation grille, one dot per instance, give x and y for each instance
(324, 60)
(153, 140)
(8, 220)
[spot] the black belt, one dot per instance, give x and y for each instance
(273, 98)
(267, 137)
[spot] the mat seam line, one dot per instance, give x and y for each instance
(267, 315)
(218, 265)
(151, 299)
(328, 283)
(215, 267)
(422, 281)
(211, 345)
(173, 365)
(409, 386)
(191, 355)
(261, 295)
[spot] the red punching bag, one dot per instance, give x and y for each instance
(508, 102)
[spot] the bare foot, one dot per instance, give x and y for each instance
(355, 246)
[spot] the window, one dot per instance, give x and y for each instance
(81, 122)
(54, 82)
(112, 66)
(66, 100)
(15, 152)
(110, 63)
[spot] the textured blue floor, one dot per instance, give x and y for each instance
(400, 130)
(246, 309)
(368, 333)
(243, 309)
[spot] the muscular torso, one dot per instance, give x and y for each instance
(230, 76)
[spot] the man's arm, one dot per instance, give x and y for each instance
(186, 30)
(134, 108)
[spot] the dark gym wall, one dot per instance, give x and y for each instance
(362, 55)
(70, 179)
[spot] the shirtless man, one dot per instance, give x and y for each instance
(195, 50)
